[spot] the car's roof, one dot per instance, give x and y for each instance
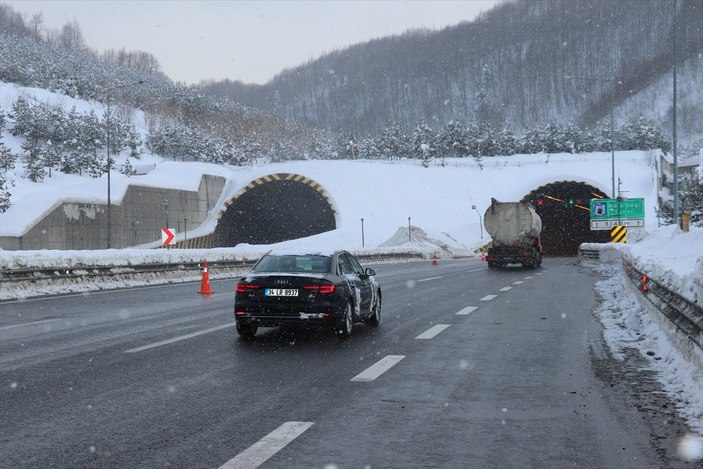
(292, 251)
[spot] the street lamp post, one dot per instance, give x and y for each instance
(362, 232)
(612, 134)
(109, 159)
(480, 222)
(410, 239)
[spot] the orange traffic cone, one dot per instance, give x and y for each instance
(205, 284)
(483, 256)
(434, 259)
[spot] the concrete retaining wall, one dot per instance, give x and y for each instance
(137, 220)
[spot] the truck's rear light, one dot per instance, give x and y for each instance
(240, 313)
(325, 289)
(245, 287)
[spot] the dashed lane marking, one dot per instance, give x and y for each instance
(262, 450)
(378, 368)
(505, 289)
(518, 282)
(467, 310)
(432, 331)
(488, 297)
(176, 339)
(28, 324)
(428, 279)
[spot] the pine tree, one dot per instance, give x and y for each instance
(35, 170)
(422, 144)
(452, 140)
(7, 163)
(22, 115)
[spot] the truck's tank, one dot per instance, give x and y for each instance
(512, 223)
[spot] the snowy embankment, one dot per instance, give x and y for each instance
(673, 259)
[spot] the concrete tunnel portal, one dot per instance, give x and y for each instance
(280, 207)
(275, 208)
(564, 208)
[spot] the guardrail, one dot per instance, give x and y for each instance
(683, 313)
(91, 271)
(40, 281)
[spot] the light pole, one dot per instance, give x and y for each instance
(410, 239)
(362, 232)
(480, 222)
(612, 133)
(673, 136)
(109, 159)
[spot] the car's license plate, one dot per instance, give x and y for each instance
(281, 292)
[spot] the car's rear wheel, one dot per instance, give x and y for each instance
(246, 330)
(375, 317)
(345, 329)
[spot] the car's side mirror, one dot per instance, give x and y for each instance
(369, 272)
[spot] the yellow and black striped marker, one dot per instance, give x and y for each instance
(618, 234)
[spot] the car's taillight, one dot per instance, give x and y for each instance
(245, 287)
(325, 289)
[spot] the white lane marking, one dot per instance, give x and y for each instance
(528, 277)
(259, 452)
(518, 282)
(488, 297)
(467, 310)
(378, 368)
(432, 331)
(28, 324)
(476, 270)
(176, 339)
(505, 289)
(428, 279)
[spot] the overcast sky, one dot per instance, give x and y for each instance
(249, 41)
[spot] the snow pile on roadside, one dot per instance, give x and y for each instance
(628, 324)
(667, 255)
(672, 258)
(417, 238)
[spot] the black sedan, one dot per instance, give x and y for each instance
(320, 289)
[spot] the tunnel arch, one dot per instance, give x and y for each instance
(274, 208)
(563, 207)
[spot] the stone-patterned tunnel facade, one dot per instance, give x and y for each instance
(275, 208)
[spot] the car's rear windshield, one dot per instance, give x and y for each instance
(294, 263)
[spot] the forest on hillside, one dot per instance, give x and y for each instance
(521, 65)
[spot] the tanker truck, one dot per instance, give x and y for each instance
(515, 228)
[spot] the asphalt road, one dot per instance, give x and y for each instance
(469, 368)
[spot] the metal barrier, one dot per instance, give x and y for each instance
(686, 315)
(157, 273)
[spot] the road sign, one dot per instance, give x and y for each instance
(608, 224)
(608, 213)
(609, 209)
(167, 235)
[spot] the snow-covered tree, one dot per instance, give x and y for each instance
(7, 163)
(392, 143)
(452, 140)
(422, 143)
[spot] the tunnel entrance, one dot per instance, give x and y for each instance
(564, 209)
(275, 208)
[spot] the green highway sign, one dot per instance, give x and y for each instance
(610, 209)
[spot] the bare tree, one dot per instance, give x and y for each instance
(36, 24)
(71, 37)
